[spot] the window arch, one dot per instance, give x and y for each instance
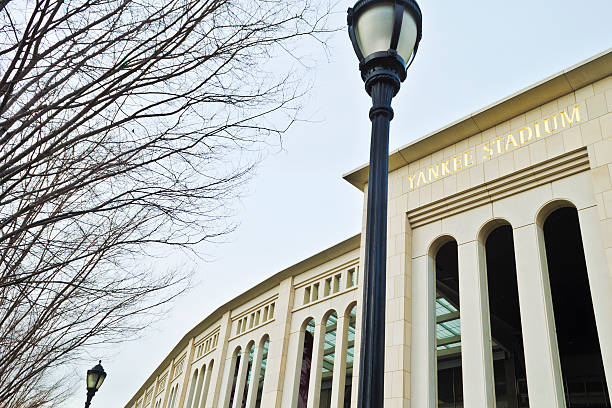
(305, 351)
(234, 368)
(265, 345)
(445, 322)
(206, 379)
(249, 353)
(192, 389)
(570, 291)
(198, 391)
(172, 400)
(507, 353)
(350, 318)
(328, 357)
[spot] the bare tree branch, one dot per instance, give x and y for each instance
(118, 121)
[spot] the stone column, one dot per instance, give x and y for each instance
(357, 349)
(544, 381)
(423, 353)
(277, 351)
(186, 373)
(167, 385)
(219, 376)
(476, 358)
(228, 379)
(293, 369)
(314, 384)
(339, 376)
(600, 283)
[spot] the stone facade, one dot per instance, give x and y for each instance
(513, 163)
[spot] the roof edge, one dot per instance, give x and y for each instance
(568, 80)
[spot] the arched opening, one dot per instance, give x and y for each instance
(351, 318)
(505, 319)
(262, 370)
(206, 382)
(448, 326)
(307, 344)
(172, 400)
(192, 389)
(579, 351)
(234, 370)
(327, 365)
(250, 352)
(198, 391)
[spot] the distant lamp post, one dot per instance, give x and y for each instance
(385, 36)
(95, 378)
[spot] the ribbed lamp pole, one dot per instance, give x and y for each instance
(385, 36)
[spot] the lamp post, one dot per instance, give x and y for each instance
(385, 36)
(95, 378)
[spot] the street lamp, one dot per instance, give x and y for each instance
(95, 378)
(385, 36)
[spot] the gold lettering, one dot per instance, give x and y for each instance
(421, 176)
(537, 128)
(411, 179)
(547, 127)
(564, 117)
(445, 169)
(457, 162)
(499, 144)
(510, 141)
(485, 147)
(522, 134)
(468, 160)
(433, 172)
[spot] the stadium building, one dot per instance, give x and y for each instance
(499, 276)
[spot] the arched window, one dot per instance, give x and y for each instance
(192, 389)
(206, 383)
(505, 318)
(579, 349)
(351, 319)
(235, 367)
(448, 325)
(306, 363)
(198, 391)
(250, 352)
(262, 370)
(172, 400)
(327, 366)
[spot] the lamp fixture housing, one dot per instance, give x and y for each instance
(385, 34)
(95, 377)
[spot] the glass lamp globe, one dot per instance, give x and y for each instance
(95, 377)
(374, 28)
(383, 30)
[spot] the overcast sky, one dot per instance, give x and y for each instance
(297, 204)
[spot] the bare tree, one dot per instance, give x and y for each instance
(117, 119)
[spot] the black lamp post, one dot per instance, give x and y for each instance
(95, 378)
(385, 36)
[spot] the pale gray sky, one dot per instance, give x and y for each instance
(472, 54)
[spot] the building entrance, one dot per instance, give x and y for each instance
(579, 350)
(505, 320)
(448, 327)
